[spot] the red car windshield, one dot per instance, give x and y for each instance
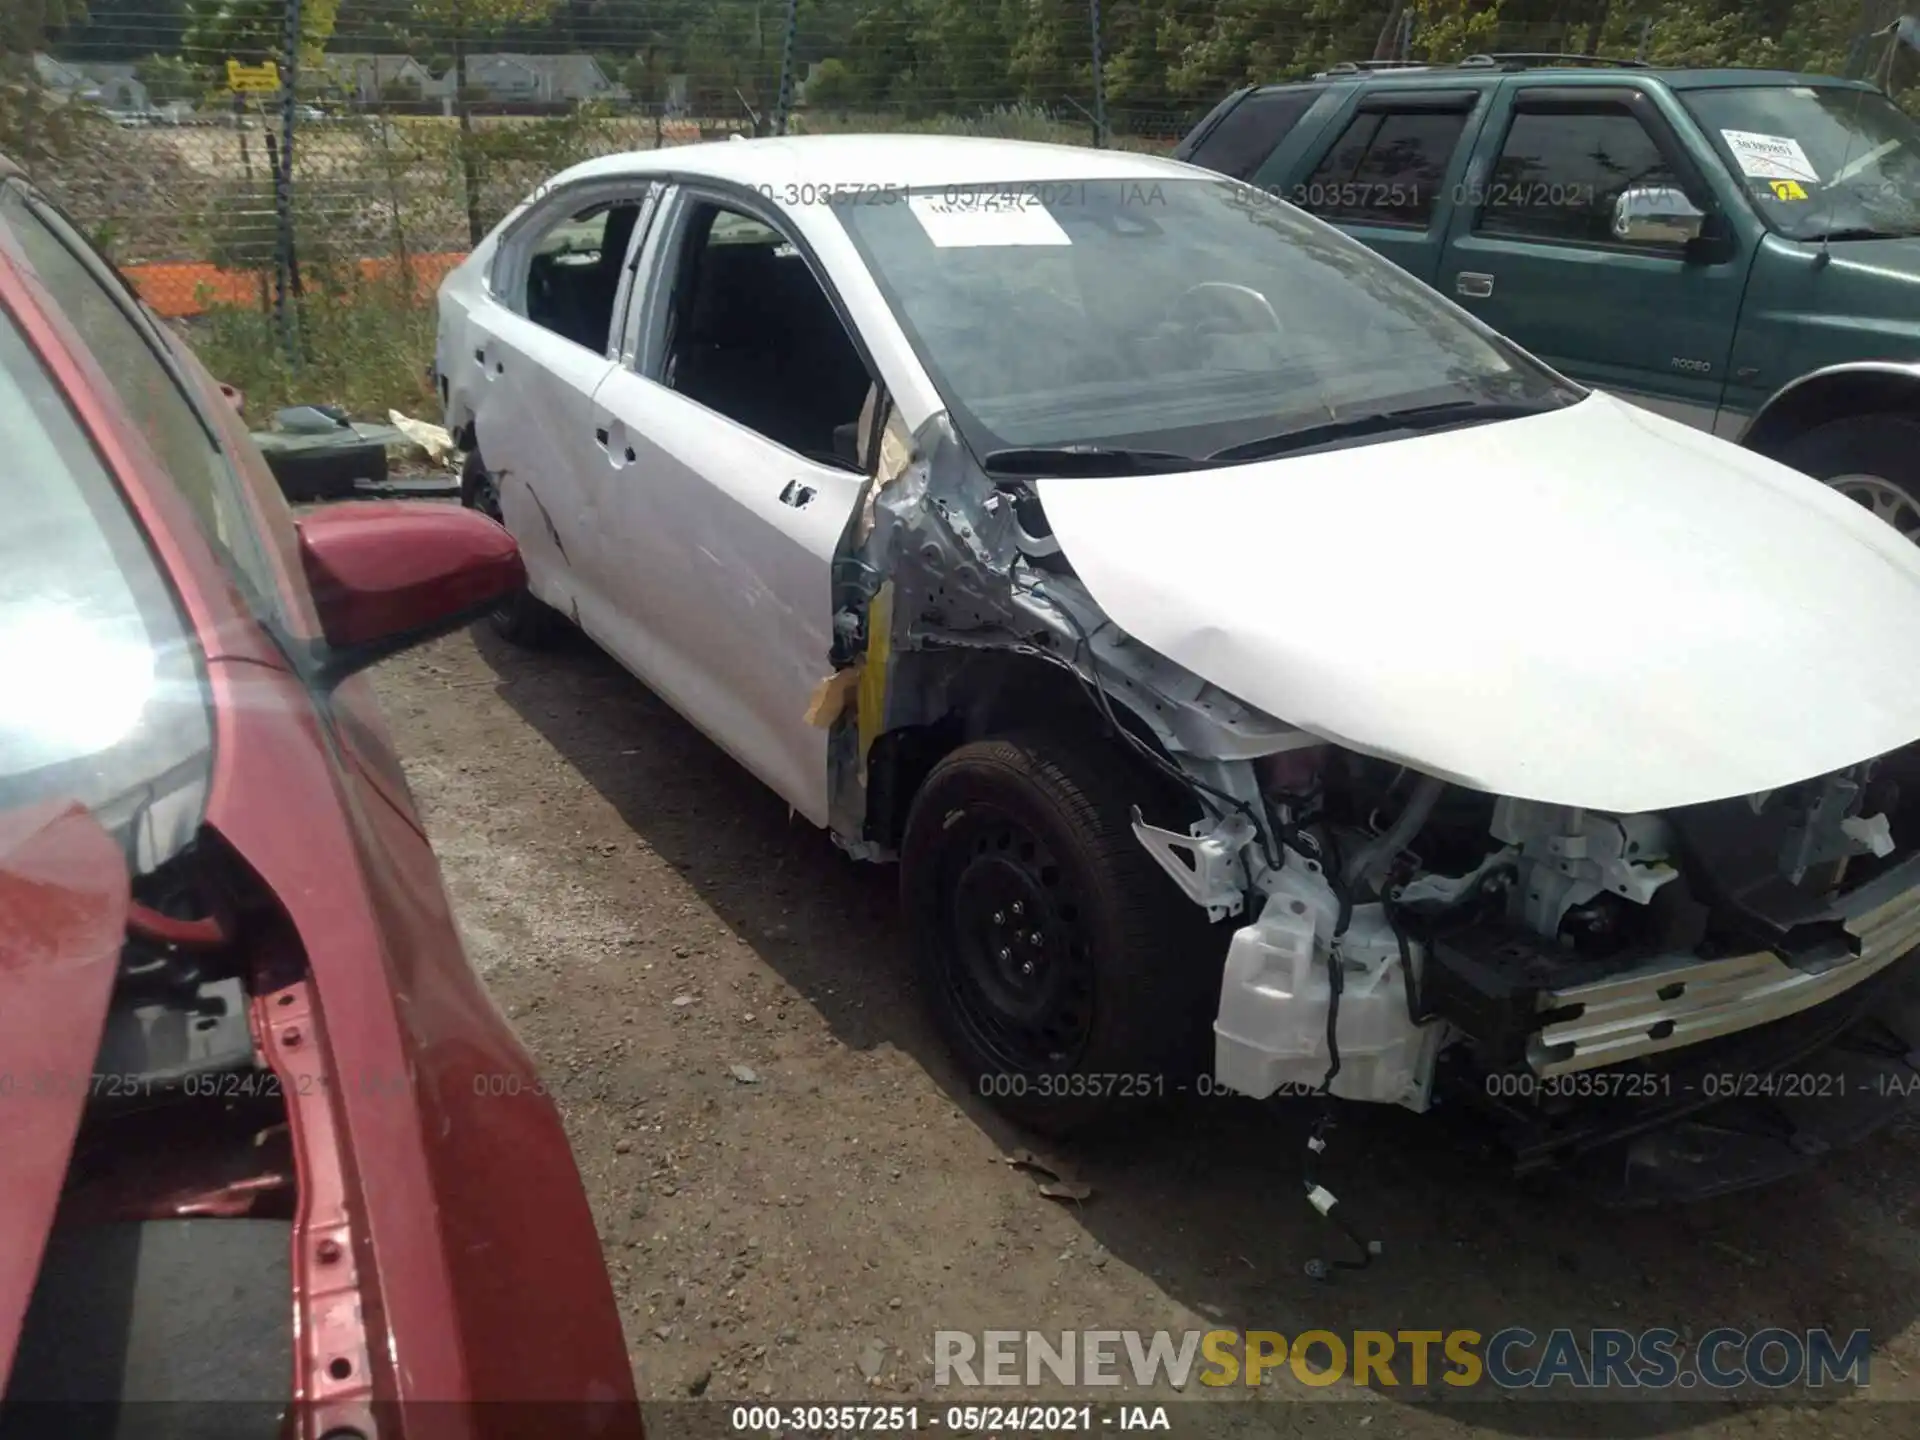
(102, 697)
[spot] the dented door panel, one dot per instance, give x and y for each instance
(533, 421)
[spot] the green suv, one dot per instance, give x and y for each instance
(1739, 249)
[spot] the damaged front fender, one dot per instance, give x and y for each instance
(949, 589)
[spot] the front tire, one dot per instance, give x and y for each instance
(521, 619)
(1069, 976)
(1871, 459)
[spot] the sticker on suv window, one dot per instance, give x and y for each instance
(976, 217)
(1770, 157)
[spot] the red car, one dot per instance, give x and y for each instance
(264, 1138)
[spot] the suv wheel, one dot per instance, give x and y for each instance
(522, 620)
(1871, 459)
(1068, 975)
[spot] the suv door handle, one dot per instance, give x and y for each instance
(1473, 284)
(796, 495)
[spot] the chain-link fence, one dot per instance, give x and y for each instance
(296, 175)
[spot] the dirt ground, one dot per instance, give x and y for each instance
(651, 918)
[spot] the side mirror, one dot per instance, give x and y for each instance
(1657, 215)
(389, 575)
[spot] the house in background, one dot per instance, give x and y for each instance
(67, 82)
(119, 87)
(110, 86)
(542, 79)
(504, 77)
(369, 79)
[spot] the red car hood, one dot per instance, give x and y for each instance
(63, 918)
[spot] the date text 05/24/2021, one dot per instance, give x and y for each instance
(789, 1420)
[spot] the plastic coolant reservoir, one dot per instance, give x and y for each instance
(1271, 1033)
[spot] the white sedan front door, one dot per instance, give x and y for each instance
(728, 476)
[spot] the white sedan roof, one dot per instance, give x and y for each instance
(883, 161)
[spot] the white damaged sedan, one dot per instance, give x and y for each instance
(1267, 678)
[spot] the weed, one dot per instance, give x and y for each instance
(365, 344)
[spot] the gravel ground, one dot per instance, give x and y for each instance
(794, 1190)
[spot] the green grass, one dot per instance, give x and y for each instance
(365, 348)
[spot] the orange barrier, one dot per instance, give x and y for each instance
(189, 287)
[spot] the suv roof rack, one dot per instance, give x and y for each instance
(1527, 59)
(1495, 60)
(1360, 67)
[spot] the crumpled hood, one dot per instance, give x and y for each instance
(1595, 606)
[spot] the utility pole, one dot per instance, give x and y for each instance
(286, 267)
(1099, 80)
(783, 103)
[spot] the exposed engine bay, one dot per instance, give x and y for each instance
(1395, 938)
(1544, 938)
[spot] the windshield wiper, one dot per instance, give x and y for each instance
(1084, 460)
(1861, 232)
(1382, 422)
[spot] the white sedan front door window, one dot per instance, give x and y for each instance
(728, 478)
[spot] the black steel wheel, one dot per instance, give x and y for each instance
(1019, 975)
(1068, 975)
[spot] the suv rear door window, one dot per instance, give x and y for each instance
(1251, 131)
(1559, 173)
(1386, 168)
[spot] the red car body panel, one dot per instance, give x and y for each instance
(458, 1212)
(63, 919)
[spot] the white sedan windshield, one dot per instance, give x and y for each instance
(1185, 315)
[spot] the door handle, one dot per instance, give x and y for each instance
(1473, 284)
(605, 439)
(796, 495)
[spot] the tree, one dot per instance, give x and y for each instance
(27, 25)
(32, 132)
(646, 74)
(255, 30)
(169, 78)
(830, 87)
(454, 22)
(122, 30)
(401, 90)
(471, 19)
